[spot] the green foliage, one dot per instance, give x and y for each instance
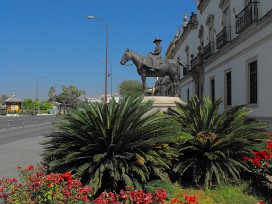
(130, 88)
(233, 194)
(36, 104)
(3, 112)
(45, 105)
(2, 99)
(68, 96)
(214, 153)
(170, 187)
(225, 194)
(28, 104)
(51, 92)
(112, 145)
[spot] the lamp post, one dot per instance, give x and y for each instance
(37, 85)
(106, 64)
(109, 75)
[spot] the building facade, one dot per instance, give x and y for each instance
(226, 47)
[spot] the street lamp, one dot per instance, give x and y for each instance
(106, 64)
(109, 75)
(37, 84)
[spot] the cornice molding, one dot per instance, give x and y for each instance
(186, 32)
(169, 52)
(186, 80)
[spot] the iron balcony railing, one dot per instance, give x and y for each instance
(247, 16)
(223, 37)
(208, 50)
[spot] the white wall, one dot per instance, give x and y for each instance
(259, 47)
(264, 7)
(187, 85)
(251, 46)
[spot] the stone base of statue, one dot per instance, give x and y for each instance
(162, 102)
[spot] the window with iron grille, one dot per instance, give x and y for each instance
(212, 89)
(228, 88)
(188, 95)
(253, 85)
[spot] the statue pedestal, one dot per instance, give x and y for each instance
(162, 102)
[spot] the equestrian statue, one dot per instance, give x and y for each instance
(154, 66)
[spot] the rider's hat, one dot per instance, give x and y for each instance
(157, 40)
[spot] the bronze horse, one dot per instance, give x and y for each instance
(168, 67)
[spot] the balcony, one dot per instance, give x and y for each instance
(247, 16)
(223, 37)
(208, 50)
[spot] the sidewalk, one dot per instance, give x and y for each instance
(19, 153)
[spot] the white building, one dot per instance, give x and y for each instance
(227, 49)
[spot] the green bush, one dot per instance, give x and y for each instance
(214, 153)
(112, 145)
(3, 112)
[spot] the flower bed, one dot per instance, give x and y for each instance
(261, 160)
(39, 187)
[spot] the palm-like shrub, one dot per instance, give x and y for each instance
(214, 154)
(108, 145)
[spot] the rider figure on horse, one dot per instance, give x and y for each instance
(153, 59)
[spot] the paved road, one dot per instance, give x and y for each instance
(7, 122)
(19, 133)
(21, 147)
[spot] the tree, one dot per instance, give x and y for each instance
(3, 98)
(36, 104)
(45, 105)
(214, 154)
(28, 104)
(51, 92)
(112, 145)
(130, 88)
(68, 96)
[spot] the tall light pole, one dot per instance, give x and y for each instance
(37, 85)
(106, 64)
(109, 75)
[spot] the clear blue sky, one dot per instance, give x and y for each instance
(53, 38)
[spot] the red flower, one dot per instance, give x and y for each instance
(190, 198)
(261, 202)
(246, 158)
(67, 193)
(175, 200)
(85, 198)
(256, 161)
(66, 176)
(29, 168)
(269, 144)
